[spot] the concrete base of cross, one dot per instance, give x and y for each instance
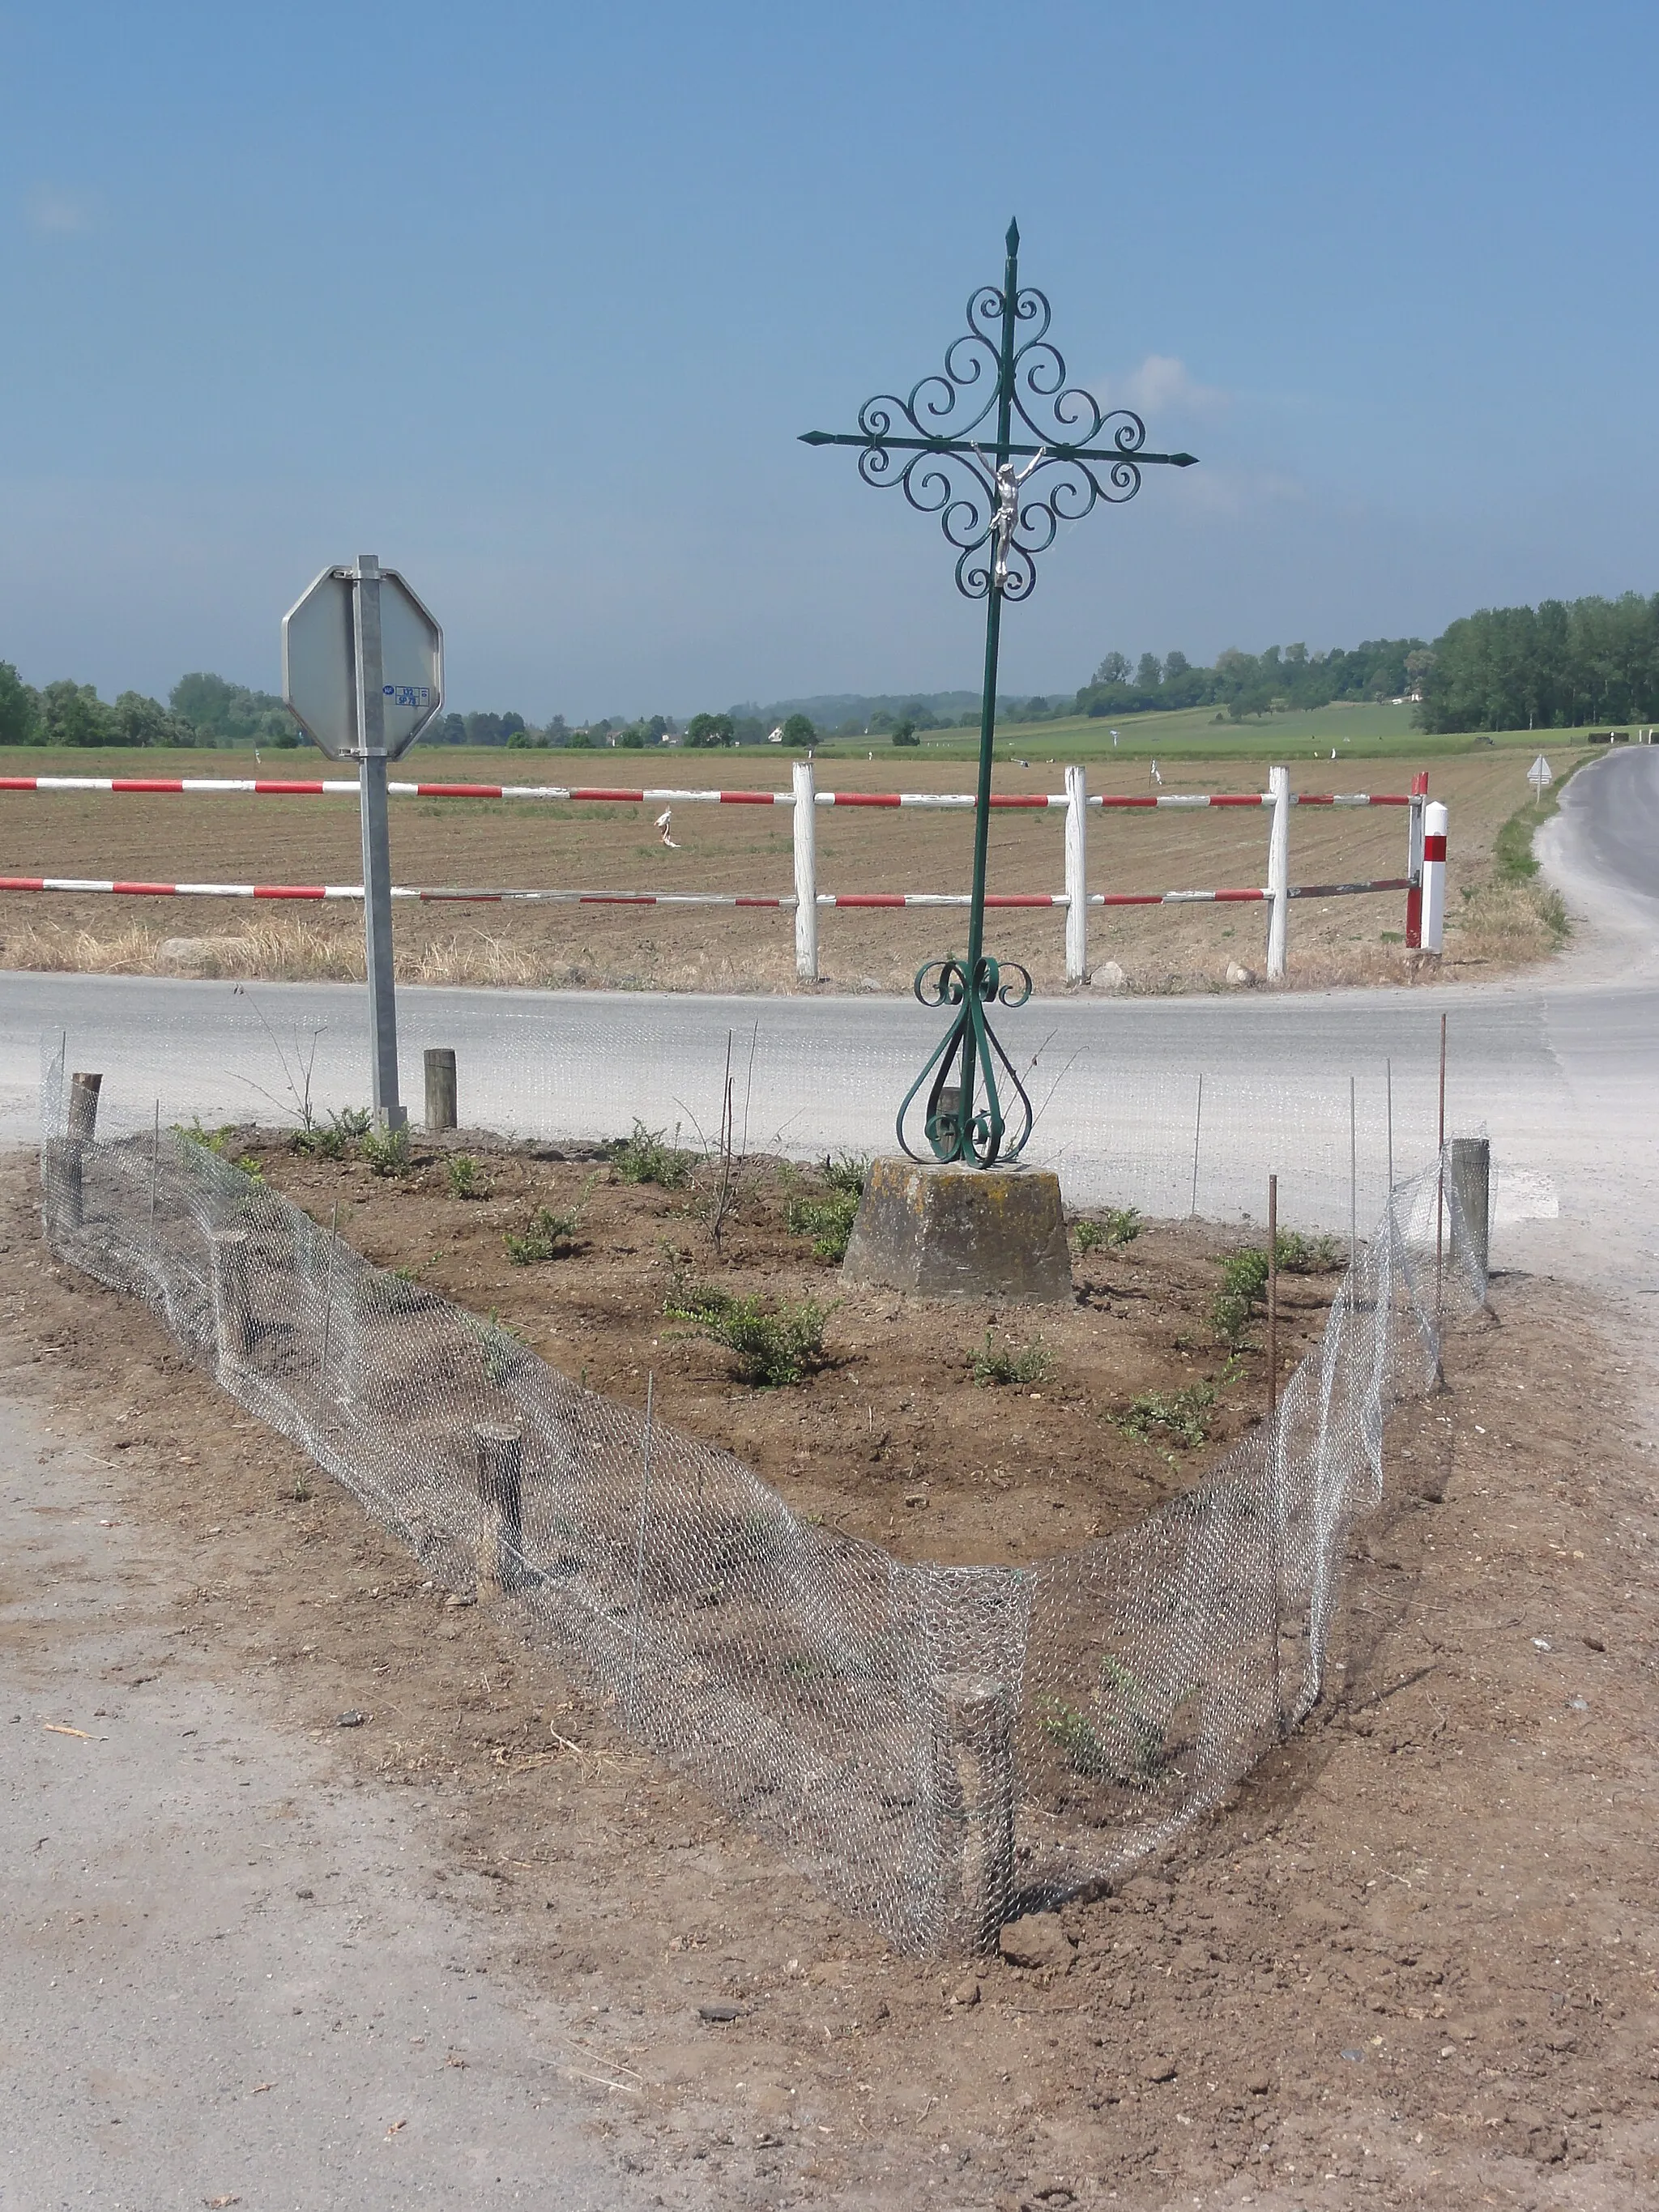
(943, 1232)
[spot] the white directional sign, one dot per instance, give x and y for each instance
(1540, 775)
(320, 675)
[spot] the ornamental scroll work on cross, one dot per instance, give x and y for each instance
(1003, 450)
(998, 516)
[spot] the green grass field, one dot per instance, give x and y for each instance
(1355, 732)
(1379, 733)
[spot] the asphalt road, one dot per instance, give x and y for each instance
(1604, 844)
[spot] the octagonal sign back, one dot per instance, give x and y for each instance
(320, 671)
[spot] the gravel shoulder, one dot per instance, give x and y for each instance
(225, 1979)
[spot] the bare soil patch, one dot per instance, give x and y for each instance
(1411, 1962)
(1126, 1394)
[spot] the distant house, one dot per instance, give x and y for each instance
(669, 738)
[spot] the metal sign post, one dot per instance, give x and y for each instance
(340, 641)
(377, 848)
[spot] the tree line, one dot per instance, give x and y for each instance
(1241, 684)
(1560, 664)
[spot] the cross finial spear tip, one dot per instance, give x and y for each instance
(1013, 238)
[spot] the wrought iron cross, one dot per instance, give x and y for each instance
(998, 516)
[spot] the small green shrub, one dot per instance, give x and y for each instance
(827, 1221)
(1023, 1364)
(385, 1151)
(465, 1178)
(647, 1156)
(774, 1345)
(1180, 1416)
(217, 1141)
(1244, 1277)
(846, 1172)
(547, 1234)
(502, 1350)
(1243, 1280)
(334, 1139)
(1126, 1740)
(1118, 1224)
(1306, 1256)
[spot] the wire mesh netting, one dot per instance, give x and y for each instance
(937, 1748)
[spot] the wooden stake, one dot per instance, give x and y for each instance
(500, 1508)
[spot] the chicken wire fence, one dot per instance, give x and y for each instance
(939, 1747)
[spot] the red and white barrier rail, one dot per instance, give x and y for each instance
(498, 896)
(1423, 887)
(617, 795)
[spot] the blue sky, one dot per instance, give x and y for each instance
(533, 300)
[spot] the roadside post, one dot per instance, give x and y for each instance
(1435, 819)
(363, 674)
(1540, 777)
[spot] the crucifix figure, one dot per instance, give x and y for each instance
(999, 519)
(1007, 512)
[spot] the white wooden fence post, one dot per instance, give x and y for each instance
(1077, 876)
(806, 873)
(1434, 820)
(1278, 871)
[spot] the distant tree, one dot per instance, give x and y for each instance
(904, 733)
(709, 729)
(205, 701)
(485, 729)
(799, 730)
(556, 733)
(581, 739)
(634, 737)
(1114, 669)
(141, 721)
(511, 725)
(519, 740)
(227, 714)
(20, 709)
(1150, 673)
(73, 714)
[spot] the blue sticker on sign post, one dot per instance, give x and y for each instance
(407, 695)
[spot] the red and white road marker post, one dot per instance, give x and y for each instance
(1435, 821)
